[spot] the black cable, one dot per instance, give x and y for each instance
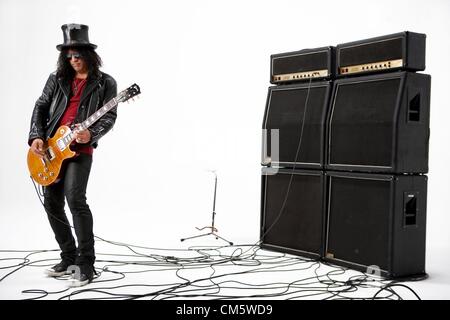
(212, 258)
(389, 286)
(294, 166)
(217, 284)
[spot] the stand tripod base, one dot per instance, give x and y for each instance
(207, 234)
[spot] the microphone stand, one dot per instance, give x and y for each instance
(212, 227)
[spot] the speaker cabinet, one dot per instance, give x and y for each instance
(292, 211)
(380, 123)
(318, 63)
(377, 220)
(404, 50)
(297, 113)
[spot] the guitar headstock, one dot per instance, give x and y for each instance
(129, 93)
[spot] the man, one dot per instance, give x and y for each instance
(75, 91)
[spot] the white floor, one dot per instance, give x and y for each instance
(163, 274)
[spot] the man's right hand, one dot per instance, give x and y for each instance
(37, 147)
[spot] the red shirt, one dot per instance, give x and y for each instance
(70, 114)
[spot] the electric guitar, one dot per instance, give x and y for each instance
(46, 170)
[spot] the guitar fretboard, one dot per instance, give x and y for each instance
(67, 140)
(98, 114)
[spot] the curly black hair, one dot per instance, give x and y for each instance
(90, 57)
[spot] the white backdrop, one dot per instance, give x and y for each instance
(203, 67)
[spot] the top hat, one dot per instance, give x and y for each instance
(75, 35)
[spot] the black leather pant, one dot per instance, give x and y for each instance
(72, 186)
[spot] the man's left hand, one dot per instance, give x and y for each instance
(83, 136)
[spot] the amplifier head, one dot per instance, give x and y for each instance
(302, 65)
(404, 50)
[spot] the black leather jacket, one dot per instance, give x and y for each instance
(55, 98)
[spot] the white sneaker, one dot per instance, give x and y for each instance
(58, 270)
(82, 276)
(74, 283)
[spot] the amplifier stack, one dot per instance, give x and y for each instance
(345, 153)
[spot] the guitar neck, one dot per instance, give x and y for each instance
(92, 119)
(98, 114)
(123, 96)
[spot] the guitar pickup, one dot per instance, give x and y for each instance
(61, 145)
(50, 154)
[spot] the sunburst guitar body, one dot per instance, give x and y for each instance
(46, 170)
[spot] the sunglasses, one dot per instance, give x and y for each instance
(77, 55)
